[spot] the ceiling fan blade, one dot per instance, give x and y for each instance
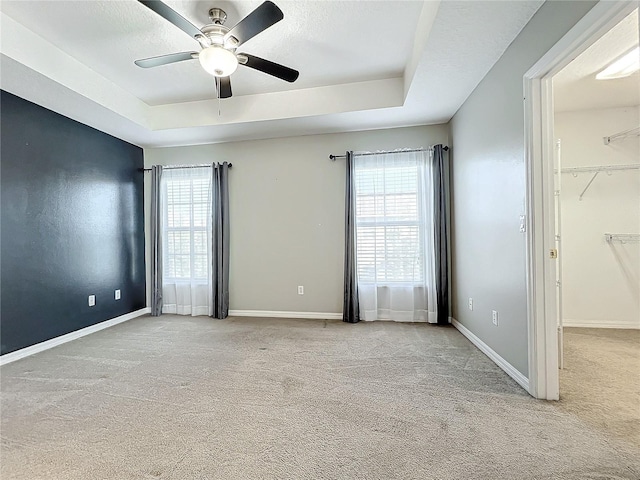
(172, 16)
(271, 68)
(166, 59)
(257, 21)
(223, 86)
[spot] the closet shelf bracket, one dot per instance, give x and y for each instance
(588, 185)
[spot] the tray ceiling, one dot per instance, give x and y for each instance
(363, 64)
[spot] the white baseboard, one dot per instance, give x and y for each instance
(489, 352)
(570, 322)
(54, 342)
(276, 314)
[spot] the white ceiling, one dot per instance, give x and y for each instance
(363, 65)
(576, 87)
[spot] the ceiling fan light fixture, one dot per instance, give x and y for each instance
(218, 61)
(622, 67)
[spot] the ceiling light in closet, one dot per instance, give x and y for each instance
(622, 67)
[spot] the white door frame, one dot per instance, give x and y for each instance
(539, 145)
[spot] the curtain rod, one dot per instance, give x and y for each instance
(333, 157)
(171, 167)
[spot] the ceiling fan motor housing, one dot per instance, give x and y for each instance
(215, 35)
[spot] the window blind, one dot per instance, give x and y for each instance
(188, 215)
(389, 229)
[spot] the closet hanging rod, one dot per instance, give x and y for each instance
(171, 167)
(622, 237)
(333, 157)
(601, 168)
(627, 133)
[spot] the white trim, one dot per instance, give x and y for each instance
(596, 22)
(489, 352)
(54, 342)
(544, 379)
(572, 322)
(278, 314)
(540, 237)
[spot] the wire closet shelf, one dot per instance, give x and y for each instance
(633, 132)
(596, 170)
(622, 237)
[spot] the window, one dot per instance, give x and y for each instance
(187, 194)
(390, 204)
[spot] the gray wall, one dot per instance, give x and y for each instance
(489, 189)
(287, 212)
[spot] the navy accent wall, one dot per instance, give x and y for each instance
(72, 225)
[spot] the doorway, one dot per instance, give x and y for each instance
(596, 125)
(542, 153)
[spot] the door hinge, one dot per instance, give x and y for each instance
(553, 253)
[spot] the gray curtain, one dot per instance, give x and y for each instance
(220, 239)
(350, 308)
(441, 197)
(156, 242)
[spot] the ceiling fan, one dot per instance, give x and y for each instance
(219, 43)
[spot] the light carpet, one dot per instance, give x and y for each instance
(600, 382)
(197, 398)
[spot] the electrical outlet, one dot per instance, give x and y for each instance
(117, 294)
(494, 317)
(300, 290)
(470, 303)
(92, 300)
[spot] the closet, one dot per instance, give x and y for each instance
(598, 217)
